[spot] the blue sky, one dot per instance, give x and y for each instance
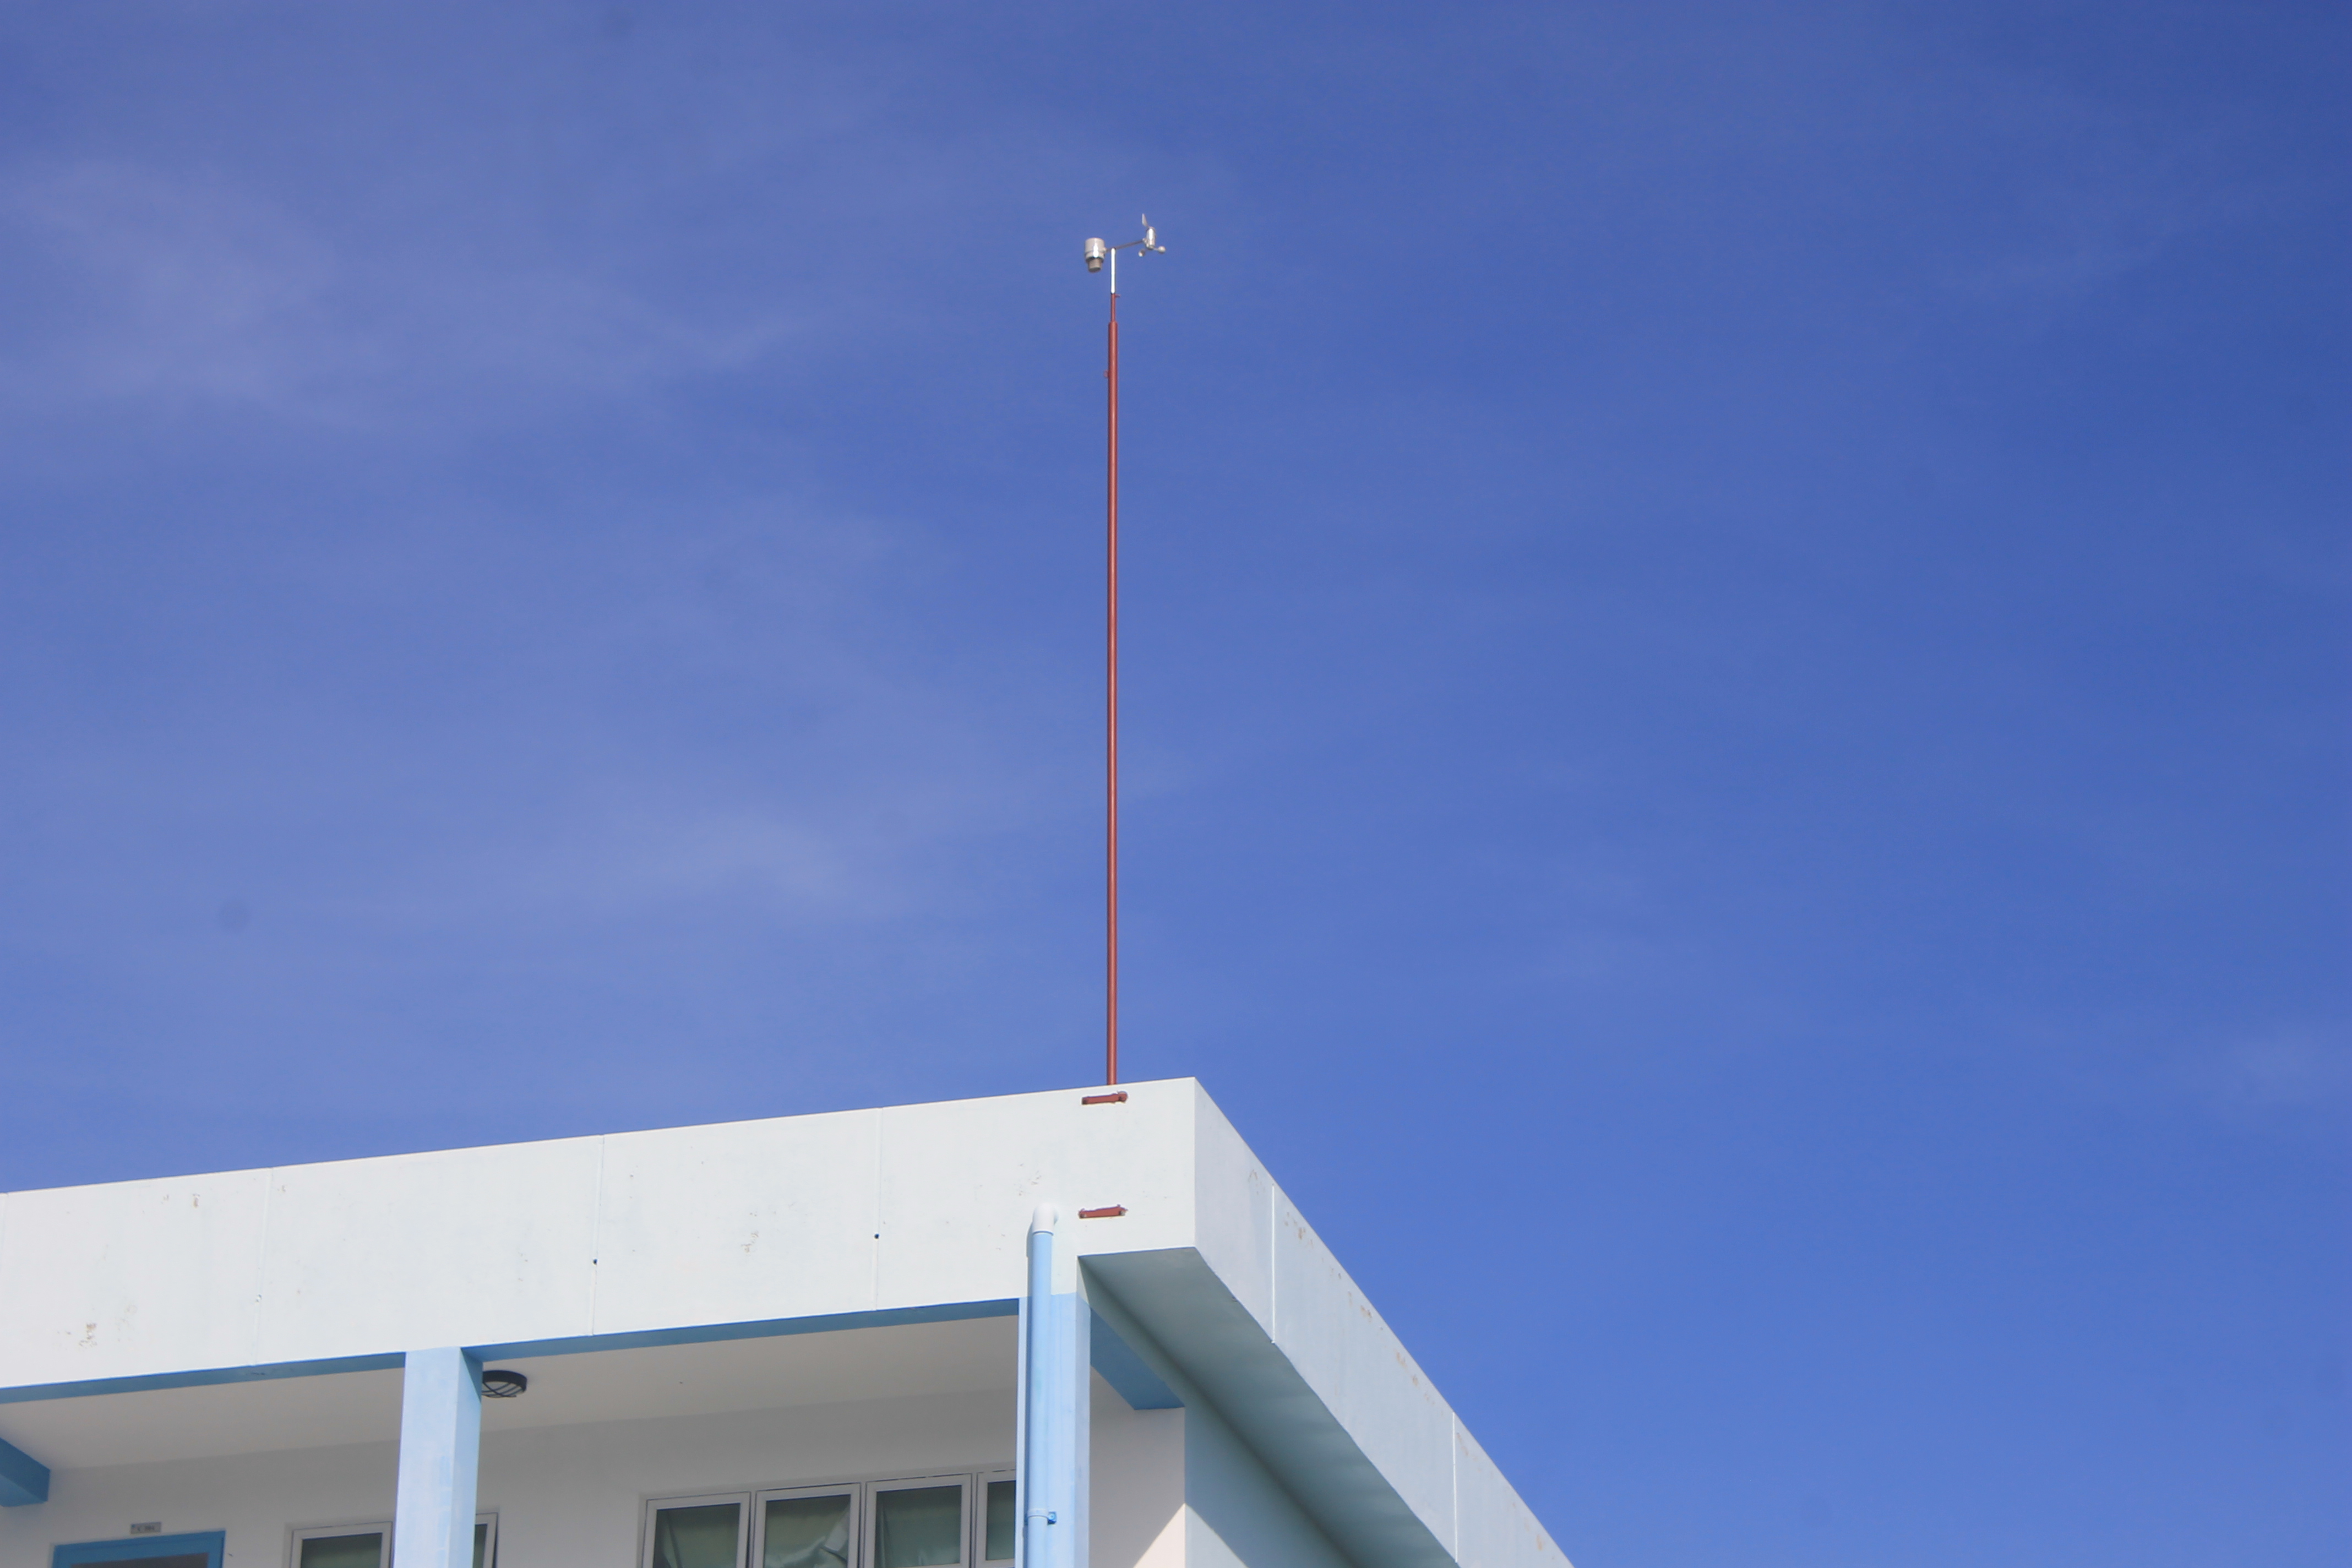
(1735, 683)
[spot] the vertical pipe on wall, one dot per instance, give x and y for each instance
(440, 1450)
(1034, 1478)
(1057, 1383)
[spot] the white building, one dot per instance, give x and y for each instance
(815, 1341)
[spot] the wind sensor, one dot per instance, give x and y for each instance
(1098, 254)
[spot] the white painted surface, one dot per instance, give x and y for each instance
(571, 1495)
(961, 1179)
(778, 1373)
(903, 1207)
(166, 1424)
(576, 1494)
(1234, 1212)
(1497, 1531)
(1361, 1371)
(1236, 1515)
(566, 1497)
(150, 1275)
(1137, 1505)
(465, 1246)
(744, 1221)
(912, 1205)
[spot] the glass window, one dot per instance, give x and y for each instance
(486, 1541)
(996, 1545)
(805, 1532)
(697, 1535)
(918, 1526)
(351, 1546)
(342, 1552)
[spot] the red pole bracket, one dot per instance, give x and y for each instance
(1111, 1213)
(1119, 1099)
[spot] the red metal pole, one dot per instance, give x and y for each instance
(1110, 1044)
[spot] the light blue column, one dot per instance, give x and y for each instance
(440, 1448)
(1053, 1437)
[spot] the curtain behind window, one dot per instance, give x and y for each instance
(918, 1526)
(702, 1536)
(361, 1551)
(805, 1533)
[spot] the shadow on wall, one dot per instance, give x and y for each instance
(1250, 1522)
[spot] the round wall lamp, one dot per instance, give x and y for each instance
(500, 1383)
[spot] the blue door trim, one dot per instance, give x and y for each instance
(211, 1542)
(25, 1392)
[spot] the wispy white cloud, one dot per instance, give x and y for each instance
(194, 286)
(166, 285)
(2272, 1070)
(2099, 195)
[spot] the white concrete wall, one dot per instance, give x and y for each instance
(1235, 1512)
(573, 1496)
(860, 1211)
(1279, 1269)
(1236, 1515)
(1362, 1371)
(1135, 1509)
(1497, 1529)
(805, 1215)
(566, 1497)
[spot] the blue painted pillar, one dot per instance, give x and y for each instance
(440, 1449)
(1053, 1437)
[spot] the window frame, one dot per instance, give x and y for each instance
(755, 1550)
(654, 1505)
(213, 1543)
(865, 1509)
(961, 1480)
(980, 1480)
(295, 1538)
